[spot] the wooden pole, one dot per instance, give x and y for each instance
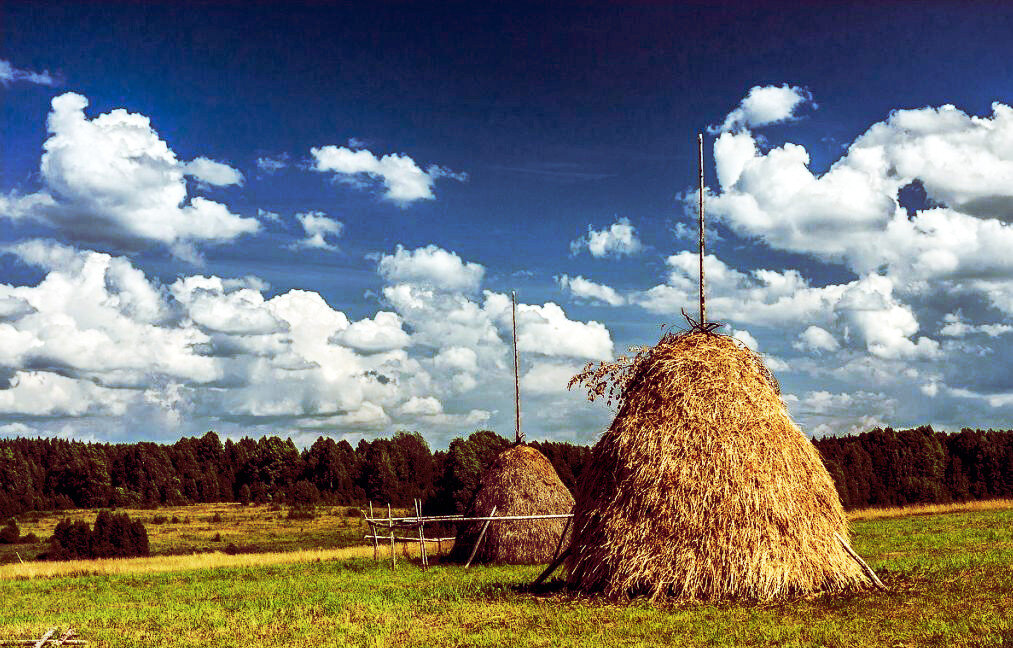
(422, 537)
(372, 530)
(559, 546)
(45, 638)
(703, 304)
(485, 527)
(868, 570)
(393, 556)
(552, 567)
(518, 435)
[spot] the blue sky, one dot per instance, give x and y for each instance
(305, 220)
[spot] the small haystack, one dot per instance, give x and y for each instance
(703, 487)
(520, 481)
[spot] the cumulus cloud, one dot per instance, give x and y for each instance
(96, 341)
(582, 288)
(765, 105)
(318, 227)
(954, 325)
(548, 378)
(824, 413)
(403, 180)
(852, 212)
(765, 297)
(214, 173)
(431, 266)
(382, 333)
(817, 339)
(617, 240)
(112, 179)
(10, 74)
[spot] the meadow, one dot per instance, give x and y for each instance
(949, 570)
(205, 528)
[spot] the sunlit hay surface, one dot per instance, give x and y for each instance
(520, 481)
(930, 509)
(156, 564)
(703, 487)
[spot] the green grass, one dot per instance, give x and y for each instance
(951, 579)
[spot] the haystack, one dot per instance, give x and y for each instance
(520, 481)
(703, 487)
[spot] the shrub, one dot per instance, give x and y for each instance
(231, 549)
(175, 520)
(158, 519)
(217, 538)
(10, 532)
(301, 513)
(29, 538)
(217, 517)
(114, 535)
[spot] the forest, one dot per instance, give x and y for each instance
(882, 467)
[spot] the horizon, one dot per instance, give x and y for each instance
(303, 221)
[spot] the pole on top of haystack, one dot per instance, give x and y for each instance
(703, 303)
(518, 435)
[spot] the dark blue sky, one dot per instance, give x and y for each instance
(565, 118)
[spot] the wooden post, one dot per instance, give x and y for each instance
(703, 304)
(45, 638)
(868, 570)
(559, 546)
(372, 531)
(518, 435)
(422, 536)
(552, 567)
(393, 556)
(481, 535)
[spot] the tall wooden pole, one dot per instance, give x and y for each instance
(518, 435)
(703, 304)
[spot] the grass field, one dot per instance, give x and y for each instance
(950, 576)
(211, 527)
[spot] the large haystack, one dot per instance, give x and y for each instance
(703, 487)
(520, 481)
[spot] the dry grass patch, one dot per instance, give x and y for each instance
(930, 509)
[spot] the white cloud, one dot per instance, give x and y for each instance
(764, 297)
(269, 164)
(318, 227)
(212, 173)
(765, 105)
(431, 266)
(416, 406)
(98, 343)
(619, 239)
(382, 333)
(955, 326)
(852, 213)
(112, 179)
(815, 338)
(585, 289)
(834, 414)
(869, 308)
(10, 74)
(746, 339)
(404, 181)
(547, 378)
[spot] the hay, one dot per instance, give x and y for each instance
(520, 481)
(703, 487)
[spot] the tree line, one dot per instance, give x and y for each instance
(52, 474)
(882, 467)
